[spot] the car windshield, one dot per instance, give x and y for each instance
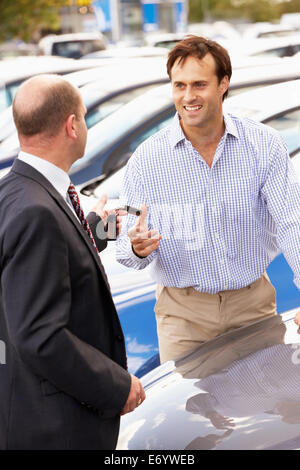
(111, 186)
(109, 131)
(3, 98)
(7, 94)
(288, 125)
(277, 52)
(76, 49)
(102, 110)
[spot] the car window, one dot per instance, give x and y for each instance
(3, 99)
(148, 132)
(239, 90)
(276, 34)
(112, 185)
(286, 51)
(12, 90)
(288, 125)
(76, 49)
(104, 109)
(167, 44)
(7, 94)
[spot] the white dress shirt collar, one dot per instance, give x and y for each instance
(56, 176)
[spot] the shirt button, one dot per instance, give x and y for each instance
(217, 236)
(214, 209)
(222, 261)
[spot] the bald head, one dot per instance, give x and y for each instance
(43, 103)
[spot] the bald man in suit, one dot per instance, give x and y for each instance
(65, 382)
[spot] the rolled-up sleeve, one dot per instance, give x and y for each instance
(281, 191)
(132, 194)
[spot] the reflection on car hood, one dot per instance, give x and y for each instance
(237, 391)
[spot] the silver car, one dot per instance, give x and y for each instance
(239, 391)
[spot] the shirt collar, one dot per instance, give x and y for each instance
(230, 127)
(59, 179)
(177, 134)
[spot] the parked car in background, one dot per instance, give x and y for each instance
(140, 67)
(286, 46)
(127, 52)
(166, 40)
(269, 30)
(291, 19)
(14, 71)
(10, 49)
(73, 45)
(239, 391)
(102, 92)
(218, 31)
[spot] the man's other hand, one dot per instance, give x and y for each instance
(143, 241)
(100, 210)
(136, 396)
(297, 321)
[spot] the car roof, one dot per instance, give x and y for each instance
(21, 68)
(254, 30)
(244, 372)
(255, 46)
(286, 68)
(52, 38)
(132, 51)
(130, 67)
(259, 104)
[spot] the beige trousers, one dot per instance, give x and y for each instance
(186, 318)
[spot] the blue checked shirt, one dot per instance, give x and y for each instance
(220, 226)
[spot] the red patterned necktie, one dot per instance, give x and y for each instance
(76, 204)
(79, 212)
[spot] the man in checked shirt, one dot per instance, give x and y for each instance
(219, 198)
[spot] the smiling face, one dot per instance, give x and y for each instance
(197, 93)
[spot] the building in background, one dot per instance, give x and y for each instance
(164, 16)
(125, 20)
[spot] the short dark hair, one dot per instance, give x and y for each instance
(59, 101)
(198, 47)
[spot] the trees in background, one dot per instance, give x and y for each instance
(253, 10)
(23, 18)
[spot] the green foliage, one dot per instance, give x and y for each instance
(22, 18)
(253, 10)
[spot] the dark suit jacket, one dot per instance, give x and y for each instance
(65, 379)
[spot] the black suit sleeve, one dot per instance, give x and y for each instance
(95, 223)
(37, 306)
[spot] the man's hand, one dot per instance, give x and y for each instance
(297, 321)
(136, 396)
(99, 208)
(143, 241)
(219, 421)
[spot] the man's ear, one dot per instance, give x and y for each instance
(71, 126)
(224, 84)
